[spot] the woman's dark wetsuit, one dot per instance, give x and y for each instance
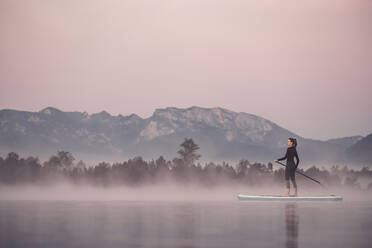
(291, 167)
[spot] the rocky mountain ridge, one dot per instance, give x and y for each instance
(222, 134)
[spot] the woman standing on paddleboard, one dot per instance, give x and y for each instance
(290, 169)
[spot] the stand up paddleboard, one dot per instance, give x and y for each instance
(286, 198)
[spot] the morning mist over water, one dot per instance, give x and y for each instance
(148, 204)
(175, 203)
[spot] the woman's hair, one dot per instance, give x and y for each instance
(294, 141)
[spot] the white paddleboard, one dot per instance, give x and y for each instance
(286, 198)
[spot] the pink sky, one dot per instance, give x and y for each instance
(306, 65)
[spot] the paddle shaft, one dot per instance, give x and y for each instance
(303, 175)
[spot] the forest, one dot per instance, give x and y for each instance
(183, 169)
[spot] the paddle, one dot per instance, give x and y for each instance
(304, 175)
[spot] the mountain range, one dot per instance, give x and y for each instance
(221, 134)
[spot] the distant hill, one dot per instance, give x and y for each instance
(221, 134)
(345, 142)
(361, 152)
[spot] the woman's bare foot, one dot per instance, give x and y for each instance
(286, 193)
(295, 193)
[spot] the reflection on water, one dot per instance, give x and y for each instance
(291, 222)
(234, 224)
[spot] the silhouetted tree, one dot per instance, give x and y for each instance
(351, 182)
(270, 166)
(63, 160)
(81, 165)
(242, 169)
(188, 151)
(161, 170)
(369, 187)
(11, 165)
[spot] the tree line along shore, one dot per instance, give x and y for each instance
(183, 169)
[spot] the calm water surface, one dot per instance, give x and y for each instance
(185, 224)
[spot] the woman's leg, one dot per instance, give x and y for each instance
(287, 188)
(293, 179)
(287, 176)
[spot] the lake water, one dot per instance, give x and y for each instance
(185, 224)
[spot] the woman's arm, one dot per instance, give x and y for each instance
(285, 156)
